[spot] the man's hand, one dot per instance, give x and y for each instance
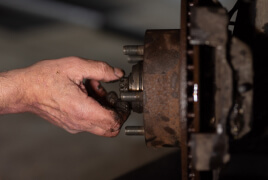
(54, 90)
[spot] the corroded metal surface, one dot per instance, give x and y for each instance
(131, 88)
(161, 88)
(241, 114)
(198, 86)
(204, 144)
(186, 64)
(208, 28)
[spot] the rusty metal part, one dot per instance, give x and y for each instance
(180, 108)
(195, 91)
(161, 88)
(112, 98)
(123, 84)
(134, 59)
(208, 28)
(153, 87)
(203, 151)
(131, 88)
(241, 114)
(171, 86)
(131, 96)
(133, 50)
(114, 102)
(261, 16)
(135, 78)
(186, 167)
(134, 130)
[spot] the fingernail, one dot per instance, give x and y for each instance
(118, 72)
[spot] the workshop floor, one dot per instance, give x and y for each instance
(30, 147)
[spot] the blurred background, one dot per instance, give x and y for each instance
(33, 30)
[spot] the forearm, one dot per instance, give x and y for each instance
(12, 92)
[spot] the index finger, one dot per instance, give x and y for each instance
(101, 71)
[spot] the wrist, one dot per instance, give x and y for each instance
(12, 92)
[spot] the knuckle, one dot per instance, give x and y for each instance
(73, 59)
(103, 67)
(83, 116)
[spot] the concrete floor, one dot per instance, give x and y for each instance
(30, 147)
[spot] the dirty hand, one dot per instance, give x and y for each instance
(54, 90)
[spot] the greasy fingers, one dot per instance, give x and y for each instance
(105, 122)
(101, 132)
(94, 87)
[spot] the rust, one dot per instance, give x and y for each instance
(164, 118)
(182, 94)
(169, 130)
(161, 88)
(197, 83)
